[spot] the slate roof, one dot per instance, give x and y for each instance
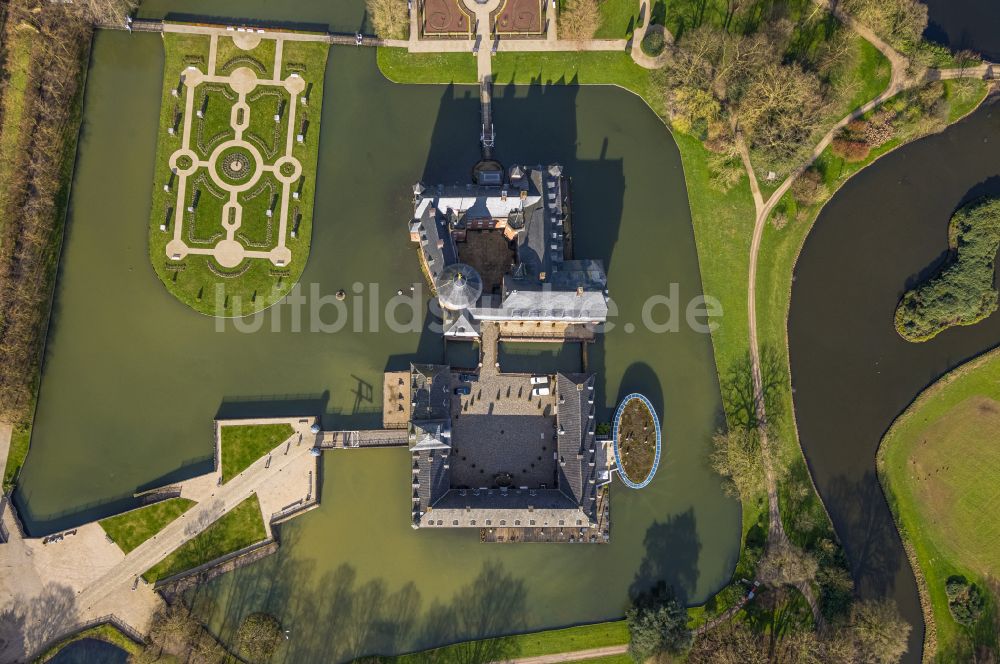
(578, 450)
(543, 286)
(430, 387)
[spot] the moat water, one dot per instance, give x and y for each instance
(133, 379)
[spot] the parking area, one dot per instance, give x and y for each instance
(502, 433)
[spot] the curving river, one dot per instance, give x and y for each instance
(852, 374)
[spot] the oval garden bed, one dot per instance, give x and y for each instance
(637, 438)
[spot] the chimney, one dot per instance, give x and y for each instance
(579, 291)
(524, 194)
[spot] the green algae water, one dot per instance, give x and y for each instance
(133, 378)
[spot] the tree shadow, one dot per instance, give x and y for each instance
(672, 549)
(641, 378)
(738, 390)
(874, 550)
(27, 625)
(348, 619)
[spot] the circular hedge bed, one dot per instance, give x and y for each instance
(654, 42)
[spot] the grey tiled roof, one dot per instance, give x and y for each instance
(513, 508)
(578, 451)
(430, 386)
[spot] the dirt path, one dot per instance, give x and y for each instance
(574, 656)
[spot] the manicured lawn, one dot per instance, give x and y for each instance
(940, 466)
(569, 639)
(255, 284)
(131, 529)
(238, 528)
(245, 443)
(400, 66)
(618, 19)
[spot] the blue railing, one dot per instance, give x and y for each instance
(614, 437)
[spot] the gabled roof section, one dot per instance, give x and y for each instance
(430, 387)
(577, 448)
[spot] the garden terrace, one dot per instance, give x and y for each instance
(519, 17)
(242, 444)
(231, 218)
(131, 529)
(446, 18)
(237, 529)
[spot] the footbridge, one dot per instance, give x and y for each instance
(330, 440)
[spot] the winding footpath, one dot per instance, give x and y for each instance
(899, 81)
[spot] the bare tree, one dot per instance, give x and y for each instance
(579, 20)
(736, 455)
(390, 18)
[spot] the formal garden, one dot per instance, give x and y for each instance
(231, 216)
(940, 467)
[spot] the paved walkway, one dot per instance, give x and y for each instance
(6, 431)
(48, 589)
(640, 58)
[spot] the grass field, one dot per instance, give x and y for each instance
(940, 467)
(256, 283)
(245, 443)
(618, 19)
(240, 527)
(131, 529)
(582, 637)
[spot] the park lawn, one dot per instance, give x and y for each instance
(242, 444)
(570, 639)
(618, 19)
(400, 66)
(239, 528)
(255, 284)
(131, 529)
(106, 632)
(940, 467)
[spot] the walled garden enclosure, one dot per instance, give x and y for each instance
(231, 216)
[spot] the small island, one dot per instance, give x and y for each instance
(962, 292)
(637, 441)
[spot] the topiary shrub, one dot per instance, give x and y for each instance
(965, 601)
(653, 43)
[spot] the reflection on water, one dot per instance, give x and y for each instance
(133, 378)
(853, 374)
